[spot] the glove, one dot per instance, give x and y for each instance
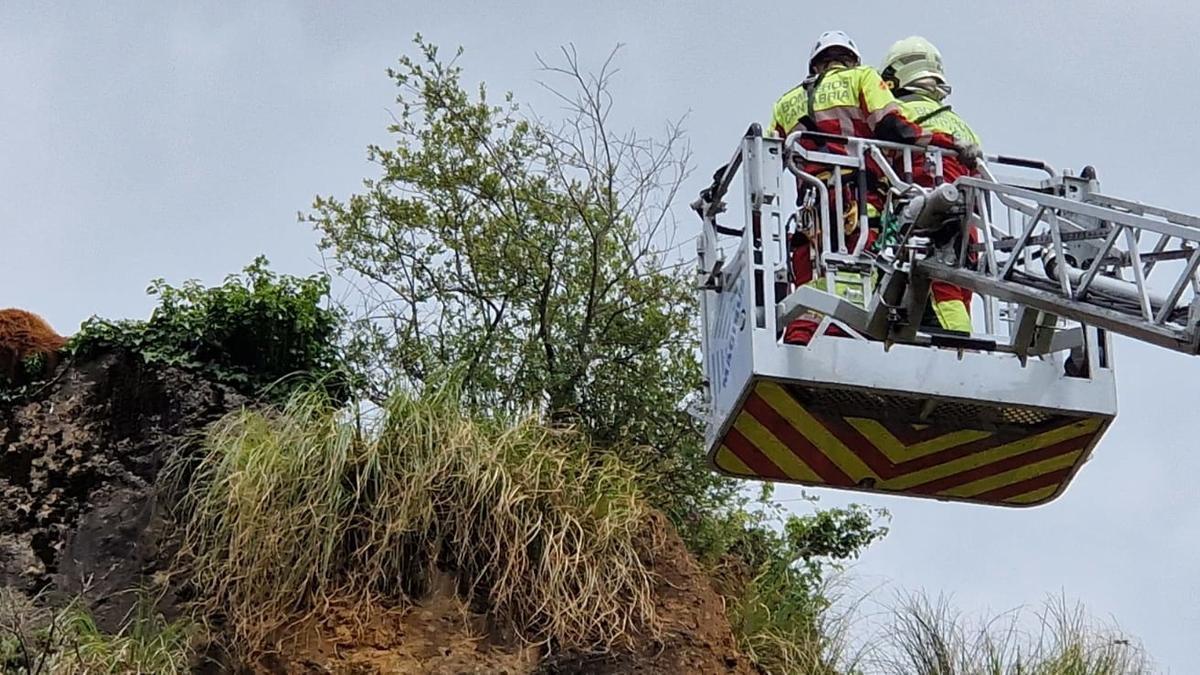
(969, 154)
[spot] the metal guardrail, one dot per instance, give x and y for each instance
(1052, 247)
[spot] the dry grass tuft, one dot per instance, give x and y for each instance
(929, 638)
(286, 509)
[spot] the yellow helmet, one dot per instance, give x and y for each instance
(911, 59)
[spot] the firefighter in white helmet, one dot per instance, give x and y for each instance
(914, 72)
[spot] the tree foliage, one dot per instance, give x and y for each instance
(532, 256)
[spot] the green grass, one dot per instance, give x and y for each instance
(36, 640)
(286, 509)
(787, 627)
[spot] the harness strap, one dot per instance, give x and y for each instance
(930, 115)
(908, 98)
(810, 90)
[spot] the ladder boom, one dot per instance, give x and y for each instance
(1053, 244)
(1081, 257)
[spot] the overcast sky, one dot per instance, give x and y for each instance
(139, 141)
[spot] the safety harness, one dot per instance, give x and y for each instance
(913, 97)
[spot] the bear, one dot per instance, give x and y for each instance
(23, 335)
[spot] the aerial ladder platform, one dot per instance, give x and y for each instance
(1004, 415)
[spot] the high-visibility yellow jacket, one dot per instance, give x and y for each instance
(938, 117)
(849, 102)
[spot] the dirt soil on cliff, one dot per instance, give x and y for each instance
(698, 637)
(441, 635)
(82, 514)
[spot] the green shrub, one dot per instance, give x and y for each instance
(147, 645)
(775, 568)
(251, 332)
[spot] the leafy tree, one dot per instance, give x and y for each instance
(533, 256)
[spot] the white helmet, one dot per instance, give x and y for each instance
(830, 39)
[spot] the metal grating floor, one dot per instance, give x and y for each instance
(919, 410)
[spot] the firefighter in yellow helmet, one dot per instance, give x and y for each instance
(913, 71)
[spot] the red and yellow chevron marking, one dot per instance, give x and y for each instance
(775, 437)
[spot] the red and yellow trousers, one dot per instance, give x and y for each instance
(952, 304)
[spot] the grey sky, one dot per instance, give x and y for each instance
(163, 140)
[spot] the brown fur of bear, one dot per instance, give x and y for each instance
(22, 335)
